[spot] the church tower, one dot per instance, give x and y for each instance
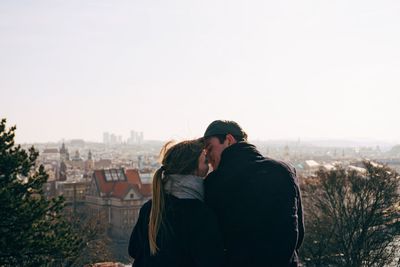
(89, 164)
(62, 171)
(64, 155)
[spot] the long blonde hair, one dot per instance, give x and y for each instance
(181, 158)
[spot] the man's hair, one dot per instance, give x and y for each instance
(222, 137)
(220, 128)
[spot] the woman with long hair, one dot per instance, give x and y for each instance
(175, 228)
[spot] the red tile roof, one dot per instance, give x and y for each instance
(119, 188)
(146, 190)
(133, 176)
(103, 186)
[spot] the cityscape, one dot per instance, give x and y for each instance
(90, 91)
(113, 178)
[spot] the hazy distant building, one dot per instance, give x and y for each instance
(76, 162)
(106, 138)
(135, 138)
(311, 164)
(50, 154)
(308, 168)
(73, 191)
(77, 142)
(103, 164)
(51, 168)
(113, 139)
(394, 152)
(77, 156)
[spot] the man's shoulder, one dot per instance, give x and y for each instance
(271, 172)
(264, 164)
(278, 165)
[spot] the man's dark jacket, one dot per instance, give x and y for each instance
(258, 206)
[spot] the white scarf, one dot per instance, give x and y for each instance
(185, 186)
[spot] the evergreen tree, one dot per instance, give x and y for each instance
(33, 231)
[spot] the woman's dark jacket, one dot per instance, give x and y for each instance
(258, 206)
(188, 238)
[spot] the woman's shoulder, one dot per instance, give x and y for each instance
(146, 207)
(192, 208)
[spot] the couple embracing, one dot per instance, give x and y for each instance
(246, 212)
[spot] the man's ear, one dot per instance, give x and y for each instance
(231, 140)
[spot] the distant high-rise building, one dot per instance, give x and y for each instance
(106, 138)
(140, 138)
(131, 139)
(135, 138)
(113, 139)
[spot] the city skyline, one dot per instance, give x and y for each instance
(285, 70)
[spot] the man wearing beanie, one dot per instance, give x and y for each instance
(256, 199)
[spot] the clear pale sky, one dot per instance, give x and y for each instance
(282, 69)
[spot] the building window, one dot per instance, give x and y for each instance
(121, 175)
(132, 195)
(108, 175)
(114, 174)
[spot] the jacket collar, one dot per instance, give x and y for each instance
(238, 154)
